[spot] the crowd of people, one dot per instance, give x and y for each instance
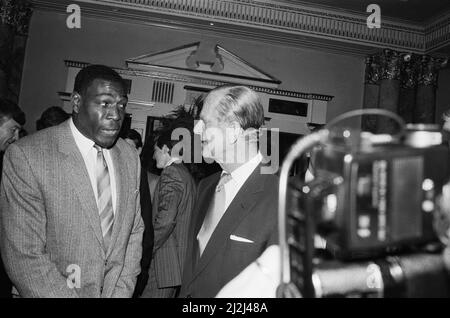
(83, 212)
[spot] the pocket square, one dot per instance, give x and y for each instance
(240, 239)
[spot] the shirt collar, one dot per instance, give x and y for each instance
(172, 160)
(241, 174)
(84, 144)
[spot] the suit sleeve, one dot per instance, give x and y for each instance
(169, 196)
(147, 239)
(23, 231)
(127, 280)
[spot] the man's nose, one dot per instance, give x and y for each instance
(114, 112)
(16, 135)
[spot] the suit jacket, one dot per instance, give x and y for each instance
(251, 215)
(147, 239)
(172, 209)
(50, 226)
(5, 283)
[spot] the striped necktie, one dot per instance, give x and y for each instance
(105, 207)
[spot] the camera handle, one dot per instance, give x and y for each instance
(369, 111)
(301, 146)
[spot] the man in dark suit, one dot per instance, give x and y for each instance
(70, 219)
(172, 209)
(235, 216)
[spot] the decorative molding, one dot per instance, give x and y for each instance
(390, 62)
(17, 14)
(410, 69)
(274, 21)
(429, 70)
(438, 33)
(179, 56)
(372, 73)
(192, 79)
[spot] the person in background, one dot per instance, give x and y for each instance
(12, 118)
(133, 138)
(172, 209)
(149, 164)
(11, 121)
(52, 116)
(70, 220)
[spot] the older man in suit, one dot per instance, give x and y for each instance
(70, 214)
(235, 217)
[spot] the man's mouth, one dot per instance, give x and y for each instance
(110, 132)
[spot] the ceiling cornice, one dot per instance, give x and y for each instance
(271, 21)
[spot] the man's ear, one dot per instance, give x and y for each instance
(75, 101)
(235, 131)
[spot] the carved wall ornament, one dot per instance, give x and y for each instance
(16, 14)
(390, 62)
(429, 69)
(373, 70)
(410, 68)
(207, 55)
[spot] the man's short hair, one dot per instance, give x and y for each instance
(52, 116)
(163, 135)
(90, 73)
(9, 109)
(238, 103)
(133, 135)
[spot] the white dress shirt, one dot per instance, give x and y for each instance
(172, 160)
(238, 178)
(231, 188)
(89, 154)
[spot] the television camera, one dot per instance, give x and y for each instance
(372, 220)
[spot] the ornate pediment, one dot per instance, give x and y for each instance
(203, 57)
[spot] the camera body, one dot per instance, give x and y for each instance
(374, 218)
(368, 201)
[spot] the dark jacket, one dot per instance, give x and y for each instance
(251, 215)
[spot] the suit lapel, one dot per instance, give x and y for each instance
(121, 190)
(79, 178)
(206, 198)
(203, 201)
(238, 209)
